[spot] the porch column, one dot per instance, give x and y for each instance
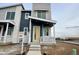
(54, 34)
(42, 33)
(29, 31)
(5, 36)
(1, 32)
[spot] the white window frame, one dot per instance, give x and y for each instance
(10, 15)
(26, 17)
(48, 31)
(41, 14)
(26, 29)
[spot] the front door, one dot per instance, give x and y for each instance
(36, 34)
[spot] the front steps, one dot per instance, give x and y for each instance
(34, 50)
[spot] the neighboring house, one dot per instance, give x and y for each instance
(10, 22)
(17, 24)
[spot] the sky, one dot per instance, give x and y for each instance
(66, 15)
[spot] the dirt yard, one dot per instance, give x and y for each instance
(61, 48)
(13, 49)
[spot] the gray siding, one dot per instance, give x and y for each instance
(42, 6)
(17, 10)
(3, 12)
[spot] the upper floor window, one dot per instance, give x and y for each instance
(26, 15)
(10, 15)
(41, 14)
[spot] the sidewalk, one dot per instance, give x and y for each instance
(34, 53)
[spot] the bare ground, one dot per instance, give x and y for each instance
(61, 48)
(13, 49)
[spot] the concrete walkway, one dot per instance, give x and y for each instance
(34, 53)
(34, 50)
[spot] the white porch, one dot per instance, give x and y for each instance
(43, 39)
(5, 30)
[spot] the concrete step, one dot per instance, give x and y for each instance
(34, 53)
(35, 48)
(35, 43)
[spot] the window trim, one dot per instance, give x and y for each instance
(41, 11)
(25, 28)
(26, 16)
(6, 15)
(10, 31)
(45, 28)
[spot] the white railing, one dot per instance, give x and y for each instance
(26, 39)
(9, 38)
(47, 39)
(5, 39)
(2, 38)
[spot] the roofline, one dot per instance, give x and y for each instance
(12, 6)
(45, 20)
(27, 10)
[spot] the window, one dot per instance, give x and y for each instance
(46, 31)
(25, 30)
(10, 15)
(26, 15)
(10, 30)
(41, 14)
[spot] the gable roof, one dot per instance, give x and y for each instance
(12, 6)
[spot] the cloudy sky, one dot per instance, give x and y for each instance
(66, 15)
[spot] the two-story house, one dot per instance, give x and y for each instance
(38, 23)
(31, 26)
(10, 22)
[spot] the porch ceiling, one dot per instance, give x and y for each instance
(43, 21)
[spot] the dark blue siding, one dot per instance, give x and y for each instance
(24, 22)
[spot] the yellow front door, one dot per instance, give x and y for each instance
(36, 33)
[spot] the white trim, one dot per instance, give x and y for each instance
(45, 20)
(54, 34)
(26, 17)
(8, 21)
(10, 15)
(6, 32)
(5, 15)
(1, 30)
(36, 13)
(29, 31)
